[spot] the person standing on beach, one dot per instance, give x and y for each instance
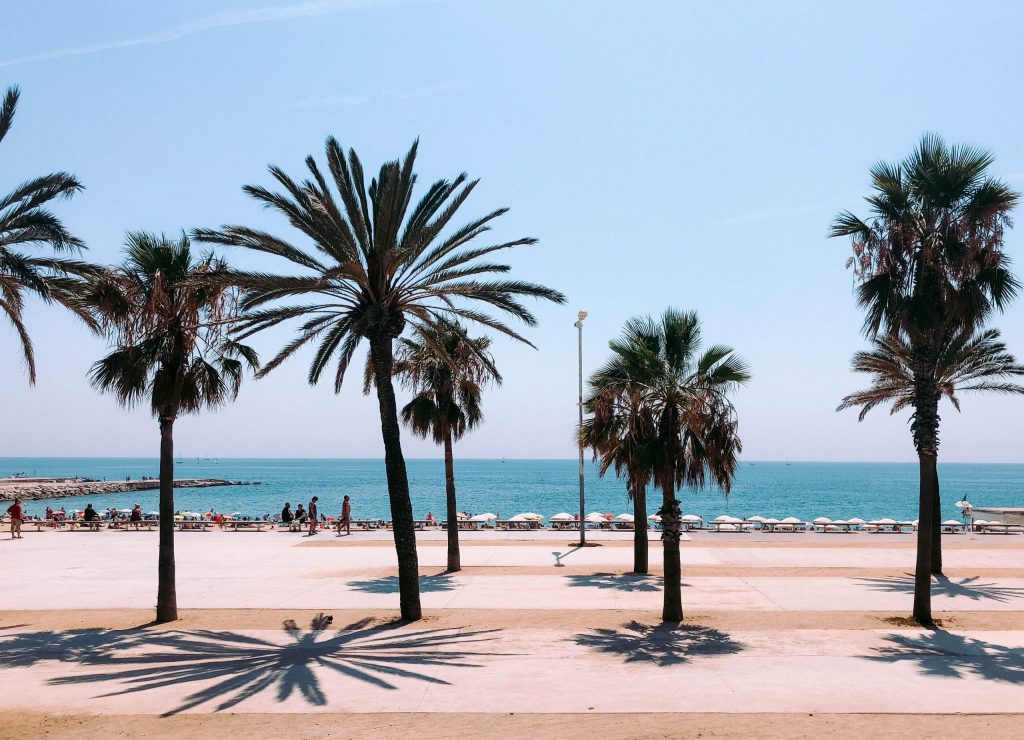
(313, 520)
(17, 515)
(346, 516)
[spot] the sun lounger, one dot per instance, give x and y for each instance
(1000, 528)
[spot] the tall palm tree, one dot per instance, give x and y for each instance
(447, 371)
(930, 261)
(621, 432)
(166, 311)
(24, 221)
(685, 392)
(375, 263)
(968, 360)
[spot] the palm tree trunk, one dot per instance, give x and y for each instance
(925, 428)
(454, 560)
(937, 527)
(166, 595)
(382, 359)
(640, 564)
(672, 609)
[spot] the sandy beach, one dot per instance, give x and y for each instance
(783, 636)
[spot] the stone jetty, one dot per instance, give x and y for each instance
(31, 489)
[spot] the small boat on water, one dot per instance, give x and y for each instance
(1003, 514)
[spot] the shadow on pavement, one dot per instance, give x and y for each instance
(622, 582)
(661, 644)
(954, 656)
(229, 667)
(968, 588)
(389, 584)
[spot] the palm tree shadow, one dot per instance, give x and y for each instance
(661, 644)
(949, 655)
(389, 584)
(624, 582)
(968, 588)
(230, 668)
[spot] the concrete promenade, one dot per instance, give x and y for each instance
(531, 626)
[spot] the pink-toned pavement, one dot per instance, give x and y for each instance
(626, 667)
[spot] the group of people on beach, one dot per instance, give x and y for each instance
(314, 519)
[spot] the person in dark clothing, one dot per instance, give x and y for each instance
(313, 519)
(89, 514)
(287, 517)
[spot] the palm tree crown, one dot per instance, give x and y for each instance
(25, 221)
(969, 360)
(931, 256)
(376, 262)
(447, 370)
(685, 391)
(167, 312)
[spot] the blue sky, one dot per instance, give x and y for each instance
(664, 153)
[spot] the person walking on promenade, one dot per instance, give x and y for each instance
(346, 517)
(17, 516)
(313, 518)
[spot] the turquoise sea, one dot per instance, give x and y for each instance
(801, 489)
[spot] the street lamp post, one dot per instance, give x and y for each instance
(579, 325)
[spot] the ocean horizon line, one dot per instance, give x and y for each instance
(208, 458)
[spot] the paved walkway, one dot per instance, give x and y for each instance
(584, 657)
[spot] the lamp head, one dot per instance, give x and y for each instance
(581, 315)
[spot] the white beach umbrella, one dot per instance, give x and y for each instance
(856, 520)
(822, 520)
(625, 518)
(981, 521)
(755, 519)
(723, 518)
(689, 518)
(887, 520)
(152, 513)
(562, 517)
(518, 518)
(951, 523)
(657, 518)
(963, 504)
(841, 521)
(791, 520)
(770, 520)
(531, 517)
(483, 517)
(595, 516)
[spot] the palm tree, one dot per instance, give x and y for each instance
(24, 221)
(930, 261)
(968, 360)
(166, 311)
(374, 265)
(447, 370)
(620, 431)
(685, 393)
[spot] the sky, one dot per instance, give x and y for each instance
(663, 153)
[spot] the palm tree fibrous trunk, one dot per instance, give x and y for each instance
(937, 526)
(451, 506)
(166, 597)
(640, 548)
(403, 529)
(925, 426)
(672, 610)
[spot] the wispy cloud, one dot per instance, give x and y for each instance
(328, 101)
(226, 19)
